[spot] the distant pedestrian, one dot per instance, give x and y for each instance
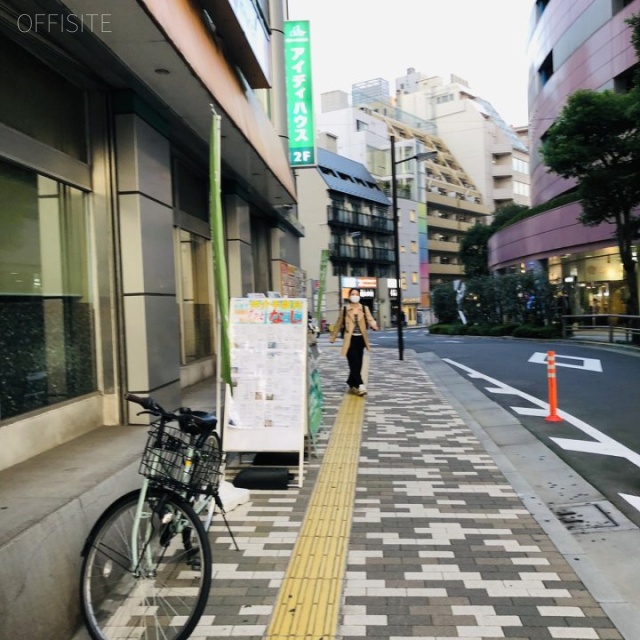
(355, 318)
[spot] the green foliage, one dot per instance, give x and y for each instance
(443, 303)
(480, 305)
(443, 328)
(596, 142)
(473, 250)
(549, 332)
(505, 214)
(565, 198)
(495, 305)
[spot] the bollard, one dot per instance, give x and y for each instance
(553, 389)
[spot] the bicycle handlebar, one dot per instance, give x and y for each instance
(188, 421)
(149, 404)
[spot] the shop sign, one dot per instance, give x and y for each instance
(297, 60)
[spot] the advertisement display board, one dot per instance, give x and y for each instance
(268, 398)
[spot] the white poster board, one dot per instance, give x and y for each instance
(266, 409)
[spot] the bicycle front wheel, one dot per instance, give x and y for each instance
(145, 576)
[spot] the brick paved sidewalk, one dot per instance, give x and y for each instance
(441, 546)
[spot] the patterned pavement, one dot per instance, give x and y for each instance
(441, 546)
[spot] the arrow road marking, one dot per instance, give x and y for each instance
(601, 444)
(587, 364)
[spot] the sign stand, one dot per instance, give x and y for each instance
(266, 407)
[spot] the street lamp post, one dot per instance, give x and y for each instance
(426, 155)
(396, 234)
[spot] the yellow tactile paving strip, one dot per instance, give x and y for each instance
(309, 599)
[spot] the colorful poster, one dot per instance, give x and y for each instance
(268, 374)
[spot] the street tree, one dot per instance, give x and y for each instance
(473, 250)
(506, 213)
(596, 142)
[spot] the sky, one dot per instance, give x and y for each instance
(482, 41)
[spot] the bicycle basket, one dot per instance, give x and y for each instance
(206, 471)
(165, 461)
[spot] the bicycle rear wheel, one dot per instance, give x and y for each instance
(150, 584)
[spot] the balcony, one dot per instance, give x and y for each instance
(502, 171)
(501, 149)
(358, 220)
(343, 252)
(436, 222)
(443, 247)
(504, 193)
(440, 200)
(437, 269)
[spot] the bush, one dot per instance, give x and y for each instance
(446, 329)
(503, 329)
(541, 333)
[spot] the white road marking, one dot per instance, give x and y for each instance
(634, 501)
(601, 445)
(587, 364)
(529, 411)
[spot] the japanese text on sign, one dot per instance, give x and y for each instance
(299, 93)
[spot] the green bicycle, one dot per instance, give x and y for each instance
(146, 570)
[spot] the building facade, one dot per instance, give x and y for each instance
(346, 213)
(492, 152)
(105, 259)
(437, 200)
(584, 45)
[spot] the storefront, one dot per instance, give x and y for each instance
(592, 282)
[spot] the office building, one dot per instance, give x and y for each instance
(105, 254)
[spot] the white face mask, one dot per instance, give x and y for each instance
(354, 299)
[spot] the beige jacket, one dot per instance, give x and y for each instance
(347, 316)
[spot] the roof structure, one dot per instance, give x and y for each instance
(350, 177)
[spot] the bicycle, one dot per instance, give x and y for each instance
(146, 570)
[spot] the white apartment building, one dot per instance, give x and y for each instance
(493, 153)
(437, 200)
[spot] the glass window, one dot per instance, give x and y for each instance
(196, 310)
(41, 103)
(414, 246)
(47, 345)
(191, 191)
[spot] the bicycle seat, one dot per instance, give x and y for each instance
(207, 421)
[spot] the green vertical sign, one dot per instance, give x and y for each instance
(324, 258)
(297, 62)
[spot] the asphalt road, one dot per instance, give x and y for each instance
(598, 391)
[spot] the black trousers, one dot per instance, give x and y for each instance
(354, 358)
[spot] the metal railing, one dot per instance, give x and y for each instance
(360, 220)
(602, 327)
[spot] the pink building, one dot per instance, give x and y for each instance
(572, 45)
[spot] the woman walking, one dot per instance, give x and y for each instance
(355, 318)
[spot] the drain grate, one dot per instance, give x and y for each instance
(584, 517)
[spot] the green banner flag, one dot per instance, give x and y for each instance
(324, 258)
(219, 254)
